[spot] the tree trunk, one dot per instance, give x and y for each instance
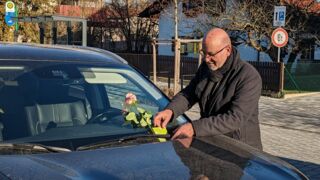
(273, 53)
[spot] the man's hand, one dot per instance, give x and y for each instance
(162, 118)
(186, 142)
(184, 131)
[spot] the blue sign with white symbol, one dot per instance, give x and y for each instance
(8, 18)
(9, 21)
(279, 17)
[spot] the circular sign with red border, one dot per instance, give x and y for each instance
(279, 37)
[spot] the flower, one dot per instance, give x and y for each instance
(134, 115)
(139, 117)
(130, 99)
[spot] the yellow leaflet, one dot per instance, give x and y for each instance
(161, 131)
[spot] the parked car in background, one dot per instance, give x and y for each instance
(61, 118)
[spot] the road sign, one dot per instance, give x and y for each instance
(279, 37)
(279, 16)
(10, 12)
(9, 20)
(10, 7)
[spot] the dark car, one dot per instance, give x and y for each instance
(61, 117)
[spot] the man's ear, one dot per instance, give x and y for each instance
(229, 50)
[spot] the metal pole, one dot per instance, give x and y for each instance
(281, 77)
(154, 53)
(278, 54)
(84, 33)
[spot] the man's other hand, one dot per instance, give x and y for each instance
(162, 118)
(184, 131)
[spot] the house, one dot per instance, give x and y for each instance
(189, 14)
(101, 19)
(192, 25)
(113, 24)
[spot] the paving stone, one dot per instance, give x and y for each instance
(290, 129)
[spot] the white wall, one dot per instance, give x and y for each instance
(186, 27)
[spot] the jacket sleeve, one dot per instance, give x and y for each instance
(243, 104)
(186, 98)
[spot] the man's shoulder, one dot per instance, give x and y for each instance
(247, 67)
(248, 71)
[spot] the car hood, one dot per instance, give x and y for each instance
(214, 157)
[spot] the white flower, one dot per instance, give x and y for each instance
(130, 99)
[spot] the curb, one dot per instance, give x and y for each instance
(286, 96)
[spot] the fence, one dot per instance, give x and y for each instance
(302, 76)
(271, 73)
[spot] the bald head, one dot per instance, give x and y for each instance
(217, 37)
(216, 48)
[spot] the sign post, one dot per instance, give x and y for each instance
(10, 12)
(279, 39)
(279, 36)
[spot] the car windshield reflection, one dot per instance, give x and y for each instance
(63, 104)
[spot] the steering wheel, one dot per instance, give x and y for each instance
(104, 116)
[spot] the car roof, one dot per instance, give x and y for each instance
(21, 51)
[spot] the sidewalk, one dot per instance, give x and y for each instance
(290, 129)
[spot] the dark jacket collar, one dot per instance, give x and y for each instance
(230, 63)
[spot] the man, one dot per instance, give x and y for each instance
(227, 90)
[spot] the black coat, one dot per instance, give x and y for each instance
(230, 107)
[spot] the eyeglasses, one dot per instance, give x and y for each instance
(211, 54)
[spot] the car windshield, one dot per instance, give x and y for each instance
(69, 104)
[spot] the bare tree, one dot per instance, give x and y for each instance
(28, 31)
(250, 22)
(136, 30)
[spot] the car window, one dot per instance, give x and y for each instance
(117, 92)
(62, 102)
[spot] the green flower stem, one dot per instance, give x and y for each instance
(150, 128)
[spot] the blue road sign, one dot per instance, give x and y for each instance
(9, 21)
(8, 18)
(10, 12)
(281, 16)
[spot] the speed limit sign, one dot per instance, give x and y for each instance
(279, 37)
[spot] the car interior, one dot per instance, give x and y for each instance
(40, 100)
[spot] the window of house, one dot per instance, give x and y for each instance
(186, 48)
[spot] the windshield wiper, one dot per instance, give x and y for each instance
(142, 138)
(27, 148)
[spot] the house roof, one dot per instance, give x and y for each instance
(155, 8)
(105, 16)
(311, 6)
